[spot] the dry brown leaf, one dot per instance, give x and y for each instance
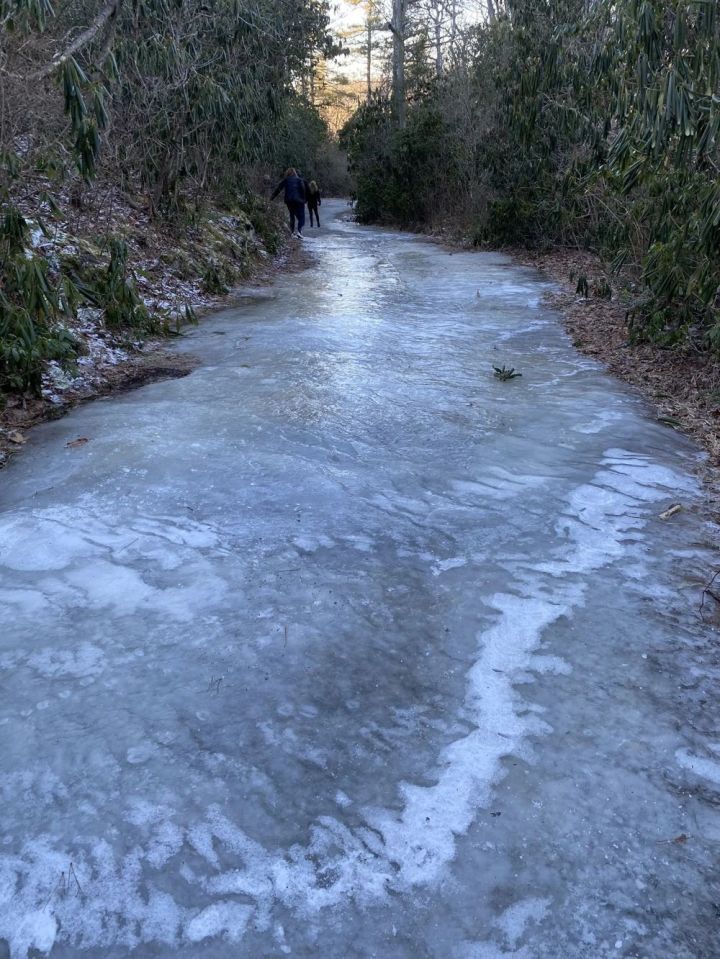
(16, 437)
(677, 840)
(80, 441)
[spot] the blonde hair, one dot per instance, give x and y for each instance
(290, 171)
(313, 187)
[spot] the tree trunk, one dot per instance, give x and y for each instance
(398, 27)
(107, 14)
(453, 27)
(369, 55)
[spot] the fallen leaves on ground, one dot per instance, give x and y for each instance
(676, 841)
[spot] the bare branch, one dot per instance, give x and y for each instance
(107, 14)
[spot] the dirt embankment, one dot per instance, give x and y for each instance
(202, 268)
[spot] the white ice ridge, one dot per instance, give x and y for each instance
(700, 766)
(120, 906)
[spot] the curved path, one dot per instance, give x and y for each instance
(341, 647)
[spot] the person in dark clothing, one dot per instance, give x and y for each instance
(294, 187)
(313, 199)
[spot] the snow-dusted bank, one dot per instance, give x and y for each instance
(341, 647)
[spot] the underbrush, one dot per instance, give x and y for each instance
(115, 273)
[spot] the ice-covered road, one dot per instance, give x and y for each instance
(341, 648)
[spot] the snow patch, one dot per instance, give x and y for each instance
(36, 930)
(443, 565)
(226, 919)
(516, 918)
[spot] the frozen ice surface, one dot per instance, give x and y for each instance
(342, 648)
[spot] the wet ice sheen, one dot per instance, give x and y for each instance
(340, 647)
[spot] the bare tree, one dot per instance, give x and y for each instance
(442, 21)
(398, 27)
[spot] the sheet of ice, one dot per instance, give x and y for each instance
(705, 768)
(342, 647)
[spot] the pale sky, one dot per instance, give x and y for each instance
(347, 16)
(344, 18)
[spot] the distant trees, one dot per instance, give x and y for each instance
(365, 39)
(566, 121)
(373, 23)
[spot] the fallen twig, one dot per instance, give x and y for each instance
(77, 881)
(708, 591)
(676, 840)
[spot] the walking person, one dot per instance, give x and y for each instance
(294, 187)
(313, 198)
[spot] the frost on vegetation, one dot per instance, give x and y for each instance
(106, 288)
(100, 353)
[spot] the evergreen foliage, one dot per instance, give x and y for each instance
(568, 122)
(178, 101)
(33, 303)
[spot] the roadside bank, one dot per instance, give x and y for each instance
(178, 271)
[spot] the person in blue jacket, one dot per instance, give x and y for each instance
(294, 187)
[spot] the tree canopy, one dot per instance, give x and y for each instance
(172, 102)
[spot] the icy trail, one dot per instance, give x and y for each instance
(341, 648)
